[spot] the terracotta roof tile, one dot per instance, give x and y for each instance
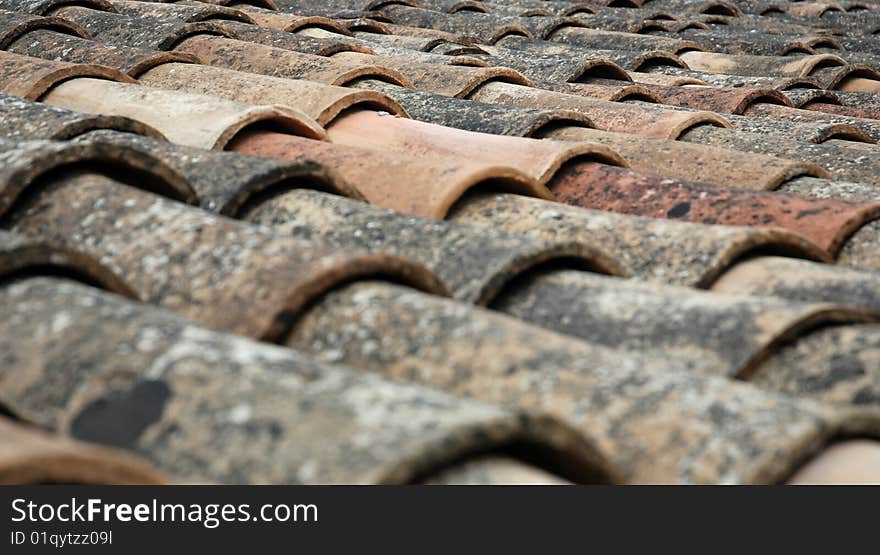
(828, 223)
(14, 25)
(26, 120)
(30, 456)
(52, 45)
(679, 195)
(561, 377)
(283, 417)
(197, 264)
(278, 62)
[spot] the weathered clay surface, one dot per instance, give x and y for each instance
(801, 281)
(828, 223)
(30, 456)
(14, 25)
(707, 333)
(279, 62)
(27, 120)
(22, 256)
(840, 161)
(413, 185)
(449, 80)
(870, 127)
(646, 418)
(646, 120)
(664, 251)
(32, 78)
(835, 364)
(227, 182)
(185, 118)
(538, 159)
(150, 34)
(473, 263)
(218, 272)
(323, 103)
(470, 115)
(210, 407)
(693, 161)
(24, 164)
(52, 45)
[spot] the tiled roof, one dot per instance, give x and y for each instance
(437, 241)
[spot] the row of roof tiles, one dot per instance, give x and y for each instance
(648, 294)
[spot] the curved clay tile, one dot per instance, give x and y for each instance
(545, 27)
(801, 97)
(617, 21)
(860, 250)
(520, 10)
(188, 119)
(839, 161)
(676, 253)
(705, 333)
(714, 7)
(474, 264)
(812, 9)
(278, 62)
(470, 115)
(305, 43)
(765, 438)
(732, 81)
(272, 407)
(27, 120)
(189, 13)
(799, 280)
(554, 68)
(453, 6)
(642, 119)
(457, 81)
(570, 40)
(855, 78)
(227, 182)
(686, 25)
(837, 109)
(121, 30)
(44, 7)
(605, 90)
(292, 23)
(264, 4)
(419, 44)
(726, 101)
(218, 272)
(630, 59)
(694, 162)
(21, 256)
(859, 99)
(33, 78)
(24, 164)
(484, 26)
(817, 131)
(51, 45)
(665, 80)
(784, 113)
(419, 186)
(735, 40)
(374, 24)
(31, 456)
(323, 103)
(15, 25)
(540, 160)
(802, 66)
(828, 223)
(834, 364)
(418, 32)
